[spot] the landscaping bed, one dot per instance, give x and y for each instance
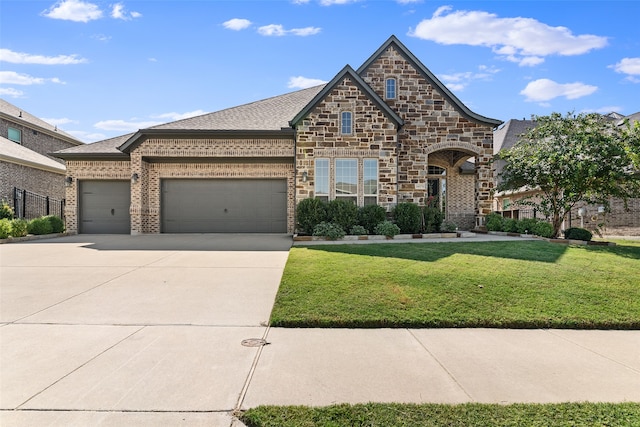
(515, 284)
(432, 415)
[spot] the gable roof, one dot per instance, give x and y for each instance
(17, 115)
(106, 149)
(347, 71)
(507, 136)
(268, 115)
(402, 49)
(15, 153)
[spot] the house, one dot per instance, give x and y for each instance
(25, 163)
(619, 221)
(385, 133)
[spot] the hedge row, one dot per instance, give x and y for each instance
(339, 217)
(495, 222)
(21, 227)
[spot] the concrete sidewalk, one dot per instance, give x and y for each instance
(152, 330)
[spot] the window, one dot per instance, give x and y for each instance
(390, 88)
(506, 204)
(347, 179)
(322, 179)
(345, 123)
(15, 135)
(437, 186)
(370, 180)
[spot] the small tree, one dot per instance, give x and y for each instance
(572, 159)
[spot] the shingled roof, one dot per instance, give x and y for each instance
(101, 149)
(15, 153)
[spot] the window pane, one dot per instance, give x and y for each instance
(436, 170)
(14, 135)
(346, 177)
(346, 122)
(370, 177)
(322, 177)
(391, 88)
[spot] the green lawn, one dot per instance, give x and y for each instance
(466, 415)
(519, 284)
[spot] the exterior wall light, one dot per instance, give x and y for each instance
(134, 178)
(305, 176)
(68, 181)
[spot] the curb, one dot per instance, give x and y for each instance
(33, 237)
(297, 238)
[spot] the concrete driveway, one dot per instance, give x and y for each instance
(92, 327)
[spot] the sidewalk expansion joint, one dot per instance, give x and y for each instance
(254, 364)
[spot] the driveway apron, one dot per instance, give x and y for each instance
(133, 329)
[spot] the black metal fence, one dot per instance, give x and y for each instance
(28, 205)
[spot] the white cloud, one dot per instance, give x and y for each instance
(522, 40)
(545, 90)
(7, 55)
(87, 136)
(60, 122)
(278, 31)
(301, 82)
(332, 2)
(236, 24)
(74, 10)
(179, 116)
(9, 91)
(11, 77)
(630, 67)
(118, 11)
(604, 110)
(101, 37)
(458, 81)
(124, 125)
(408, 1)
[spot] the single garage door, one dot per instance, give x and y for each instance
(104, 207)
(224, 206)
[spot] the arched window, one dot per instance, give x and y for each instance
(345, 123)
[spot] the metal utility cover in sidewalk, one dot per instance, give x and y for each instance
(224, 206)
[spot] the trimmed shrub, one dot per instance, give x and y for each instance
(526, 225)
(543, 229)
(309, 213)
(342, 212)
(577, 233)
(57, 224)
(358, 230)
(371, 215)
(5, 228)
(19, 227)
(330, 230)
(495, 222)
(448, 227)
(387, 228)
(432, 215)
(510, 225)
(39, 226)
(6, 211)
(408, 217)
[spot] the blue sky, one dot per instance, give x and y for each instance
(99, 69)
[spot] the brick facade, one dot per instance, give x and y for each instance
(38, 141)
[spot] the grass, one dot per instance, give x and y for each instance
(519, 284)
(465, 415)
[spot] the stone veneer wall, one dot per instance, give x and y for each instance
(89, 170)
(374, 136)
(431, 124)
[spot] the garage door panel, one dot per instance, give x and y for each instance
(104, 207)
(224, 205)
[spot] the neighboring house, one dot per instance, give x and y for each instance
(25, 163)
(385, 133)
(618, 221)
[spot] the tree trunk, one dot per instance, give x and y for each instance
(557, 224)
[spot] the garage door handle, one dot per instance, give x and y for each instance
(113, 211)
(226, 210)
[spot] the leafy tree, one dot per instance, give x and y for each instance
(572, 159)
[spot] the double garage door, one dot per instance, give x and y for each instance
(191, 206)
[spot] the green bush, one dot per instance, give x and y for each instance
(510, 225)
(543, 229)
(577, 233)
(5, 228)
(448, 227)
(309, 213)
(342, 212)
(6, 211)
(358, 230)
(408, 217)
(57, 224)
(526, 225)
(39, 226)
(371, 215)
(19, 227)
(495, 222)
(330, 230)
(387, 228)
(433, 216)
